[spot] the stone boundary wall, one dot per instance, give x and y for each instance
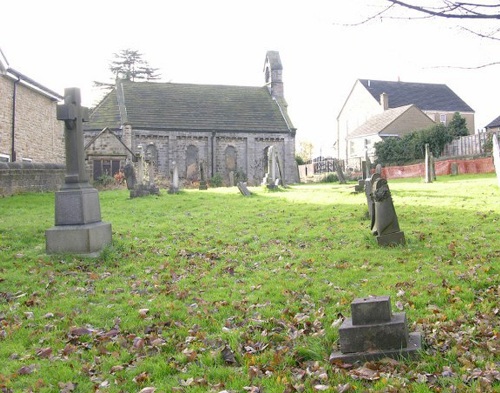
(19, 177)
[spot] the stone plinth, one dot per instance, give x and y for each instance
(86, 239)
(374, 332)
(77, 206)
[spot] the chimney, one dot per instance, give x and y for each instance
(384, 101)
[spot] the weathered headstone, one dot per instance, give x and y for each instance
(174, 185)
(203, 180)
(454, 169)
(428, 164)
(129, 173)
(368, 193)
(140, 188)
(496, 156)
(231, 178)
(340, 173)
(243, 189)
(78, 227)
(384, 223)
(374, 332)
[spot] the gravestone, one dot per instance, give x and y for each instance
(174, 185)
(384, 221)
(368, 192)
(428, 164)
(231, 178)
(454, 169)
(203, 180)
(496, 156)
(137, 186)
(78, 227)
(374, 332)
(340, 174)
(270, 176)
(243, 189)
(129, 173)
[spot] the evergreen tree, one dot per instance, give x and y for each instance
(130, 65)
(458, 126)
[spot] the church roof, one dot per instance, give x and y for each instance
(189, 107)
(426, 96)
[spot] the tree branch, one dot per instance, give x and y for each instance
(453, 10)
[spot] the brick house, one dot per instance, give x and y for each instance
(224, 128)
(29, 129)
(369, 98)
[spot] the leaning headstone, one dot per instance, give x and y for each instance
(78, 227)
(496, 156)
(340, 174)
(174, 185)
(384, 223)
(243, 189)
(374, 332)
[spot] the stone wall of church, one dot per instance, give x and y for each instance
(39, 136)
(218, 152)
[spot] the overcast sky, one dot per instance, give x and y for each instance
(64, 43)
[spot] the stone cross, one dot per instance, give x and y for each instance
(74, 114)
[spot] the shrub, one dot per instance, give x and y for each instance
(330, 178)
(216, 180)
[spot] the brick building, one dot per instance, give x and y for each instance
(29, 129)
(224, 128)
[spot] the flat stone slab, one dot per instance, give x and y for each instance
(374, 337)
(410, 352)
(87, 240)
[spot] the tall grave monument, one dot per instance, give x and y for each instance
(78, 227)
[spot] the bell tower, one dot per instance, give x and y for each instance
(273, 75)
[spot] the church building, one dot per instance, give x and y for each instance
(202, 129)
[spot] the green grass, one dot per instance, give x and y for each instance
(267, 277)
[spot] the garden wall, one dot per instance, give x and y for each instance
(18, 177)
(443, 167)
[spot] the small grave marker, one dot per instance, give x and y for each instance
(374, 332)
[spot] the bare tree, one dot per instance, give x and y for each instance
(479, 11)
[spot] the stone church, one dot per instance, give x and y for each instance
(203, 129)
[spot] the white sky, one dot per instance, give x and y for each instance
(64, 43)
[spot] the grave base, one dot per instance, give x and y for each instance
(86, 239)
(391, 239)
(411, 351)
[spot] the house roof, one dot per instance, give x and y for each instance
(189, 107)
(378, 123)
(426, 96)
(495, 123)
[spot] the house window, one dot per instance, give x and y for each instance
(106, 167)
(442, 118)
(4, 158)
(352, 148)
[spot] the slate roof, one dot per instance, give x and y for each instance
(426, 96)
(495, 123)
(379, 122)
(189, 107)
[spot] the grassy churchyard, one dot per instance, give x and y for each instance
(211, 291)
